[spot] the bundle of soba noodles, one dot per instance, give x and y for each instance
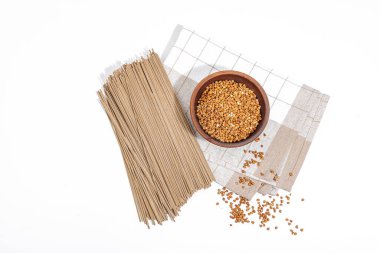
(164, 163)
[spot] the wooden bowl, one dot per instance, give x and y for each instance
(239, 77)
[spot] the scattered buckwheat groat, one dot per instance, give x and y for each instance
(263, 213)
(228, 111)
(266, 209)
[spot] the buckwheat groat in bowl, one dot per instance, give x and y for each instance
(229, 108)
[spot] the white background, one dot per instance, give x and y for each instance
(63, 186)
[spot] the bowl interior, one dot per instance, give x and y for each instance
(239, 77)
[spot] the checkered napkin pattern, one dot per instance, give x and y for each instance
(295, 113)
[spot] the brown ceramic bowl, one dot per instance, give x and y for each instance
(238, 77)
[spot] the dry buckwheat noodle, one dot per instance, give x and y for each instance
(164, 163)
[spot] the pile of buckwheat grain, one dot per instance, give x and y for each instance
(228, 111)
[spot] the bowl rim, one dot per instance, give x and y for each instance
(214, 141)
